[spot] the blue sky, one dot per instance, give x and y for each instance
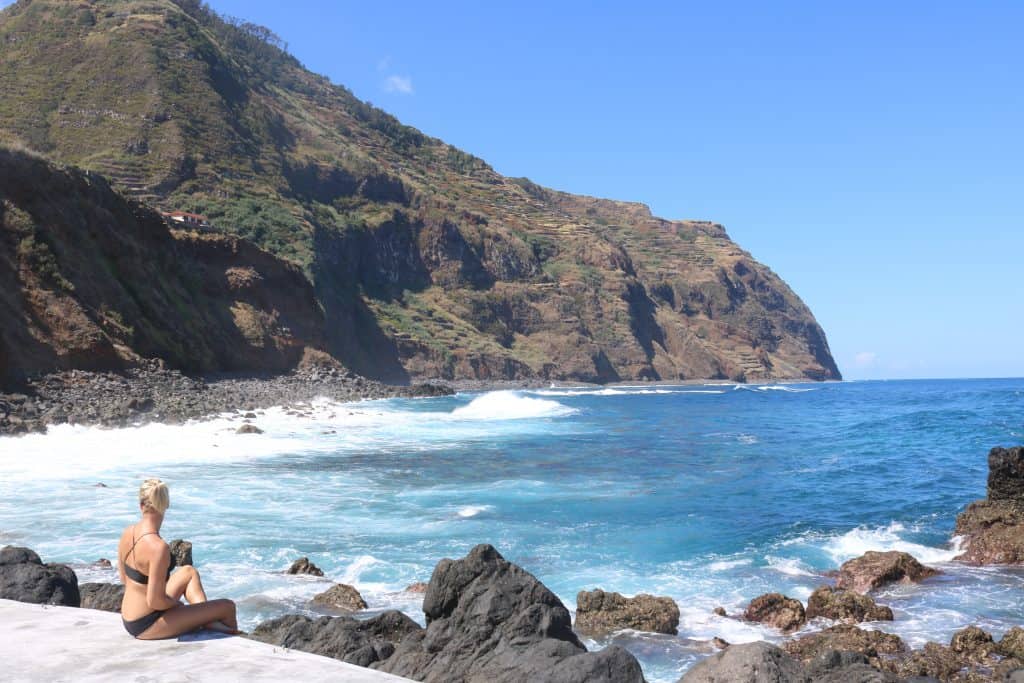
(871, 153)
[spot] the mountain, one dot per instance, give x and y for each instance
(90, 280)
(424, 260)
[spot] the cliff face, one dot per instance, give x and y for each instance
(89, 280)
(425, 261)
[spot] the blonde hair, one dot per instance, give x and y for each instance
(153, 495)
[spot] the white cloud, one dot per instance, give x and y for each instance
(865, 359)
(401, 85)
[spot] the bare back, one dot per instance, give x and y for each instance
(148, 552)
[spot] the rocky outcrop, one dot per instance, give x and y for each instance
(181, 551)
(876, 646)
(776, 610)
(875, 569)
(765, 663)
(416, 587)
(304, 566)
(248, 429)
(844, 605)
(599, 613)
(25, 578)
(1012, 644)
(972, 655)
(488, 619)
(103, 596)
(993, 528)
(341, 597)
(357, 641)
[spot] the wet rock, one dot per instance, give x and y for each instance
(972, 643)
(25, 578)
(776, 610)
(102, 563)
(490, 620)
(747, 663)
(720, 611)
(357, 641)
(599, 613)
(248, 429)
(846, 606)
(875, 569)
(342, 597)
(993, 528)
(304, 566)
(181, 551)
(720, 643)
(103, 596)
(834, 666)
(875, 645)
(418, 587)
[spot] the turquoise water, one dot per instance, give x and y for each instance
(709, 494)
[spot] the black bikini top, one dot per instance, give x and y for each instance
(133, 573)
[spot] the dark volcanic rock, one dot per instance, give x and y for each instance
(776, 610)
(341, 596)
(356, 641)
(875, 569)
(844, 605)
(25, 578)
(181, 551)
(249, 429)
(490, 620)
(598, 613)
(748, 663)
(304, 566)
(993, 529)
(104, 596)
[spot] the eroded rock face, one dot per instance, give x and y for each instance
(875, 645)
(765, 663)
(181, 551)
(972, 655)
(776, 610)
(993, 529)
(25, 578)
(356, 641)
(1012, 644)
(598, 613)
(846, 606)
(103, 596)
(341, 596)
(304, 566)
(490, 620)
(875, 569)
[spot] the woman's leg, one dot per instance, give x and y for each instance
(186, 582)
(186, 618)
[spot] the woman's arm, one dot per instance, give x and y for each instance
(156, 590)
(120, 561)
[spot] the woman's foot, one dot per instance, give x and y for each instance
(221, 627)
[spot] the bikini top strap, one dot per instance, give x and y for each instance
(135, 542)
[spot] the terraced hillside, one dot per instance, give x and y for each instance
(425, 261)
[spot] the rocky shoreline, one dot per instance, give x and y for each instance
(489, 619)
(154, 393)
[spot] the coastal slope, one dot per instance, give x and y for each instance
(425, 261)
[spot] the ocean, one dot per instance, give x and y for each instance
(711, 494)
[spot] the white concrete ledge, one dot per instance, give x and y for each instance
(45, 643)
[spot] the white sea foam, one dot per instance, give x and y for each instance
(473, 510)
(789, 566)
(510, 405)
(624, 391)
(747, 439)
(724, 565)
(858, 541)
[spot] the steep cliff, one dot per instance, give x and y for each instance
(89, 280)
(425, 261)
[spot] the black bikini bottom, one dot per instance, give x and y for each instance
(137, 627)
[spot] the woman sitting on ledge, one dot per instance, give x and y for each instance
(151, 608)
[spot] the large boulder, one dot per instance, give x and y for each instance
(875, 569)
(181, 551)
(304, 566)
(342, 597)
(776, 610)
(356, 641)
(599, 613)
(490, 620)
(993, 528)
(103, 596)
(875, 645)
(846, 606)
(765, 663)
(25, 578)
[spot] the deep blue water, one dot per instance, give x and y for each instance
(709, 494)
